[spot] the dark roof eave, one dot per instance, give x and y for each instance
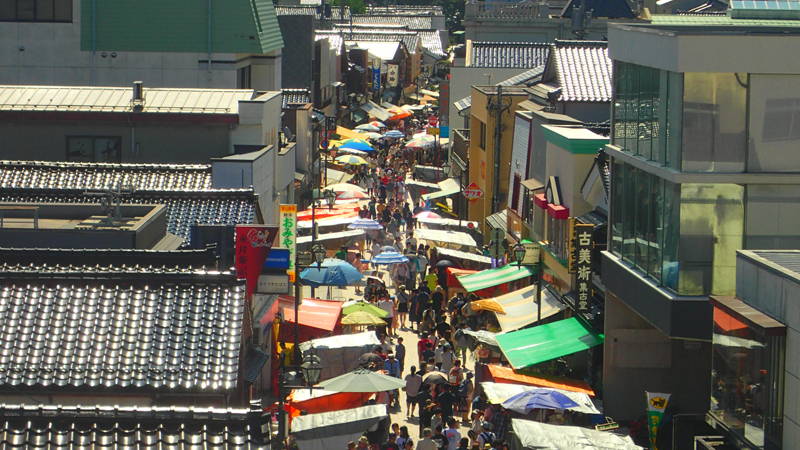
(132, 117)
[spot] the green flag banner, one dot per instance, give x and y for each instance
(656, 404)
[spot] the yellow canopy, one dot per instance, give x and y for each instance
(488, 305)
(347, 133)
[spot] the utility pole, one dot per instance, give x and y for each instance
(497, 109)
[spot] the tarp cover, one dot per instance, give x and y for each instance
(322, 314)
(507, 375)
(536, 435)
(492, 277)
(484, 337)
(497, 393)
(463, 255)
(448, 187)
(320, 401)
(331, 236)
(448, 237)
(446, 222)
(333, 430)
(331, 222)
(339, 354)
(521, 310)
(532, 346)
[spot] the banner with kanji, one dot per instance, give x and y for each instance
(582, 259)
(288, 236)
(656, 404)
(253, 243)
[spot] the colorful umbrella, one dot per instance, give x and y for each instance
(352, 151)
(358, 144)
(419, 143)
(333, 272)
(351, 195)
(389, 258)
(351, 159)
(351, 307)
(394, 134)
(541, 398)
(368, 127)
(362, 318)
(398, 113)
(374, 136)
(427, 215)
(378, 124)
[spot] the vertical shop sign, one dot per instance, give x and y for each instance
(253, 243)
(288, 236)
(583, 246)
(656, 404)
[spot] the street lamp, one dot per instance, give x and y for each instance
(519, 254)
(330, 198)
(311, 370)
(318, 252)
(311, 367)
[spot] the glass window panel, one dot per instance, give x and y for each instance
(629, 213)
(63, 11)
(655, 228)
(643, 209)
(632, 128)
(674, 119)
(26, 10)
(617, 206)
(44, 10)
(671, 235)
(660, 117)
(645, 106)
(714, 123)
(618, 138)
(8, 10)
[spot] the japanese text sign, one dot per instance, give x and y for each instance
(391, 77)
(583, 246)
(288, 236)
(253, 243)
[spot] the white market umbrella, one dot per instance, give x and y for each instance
(362, 380)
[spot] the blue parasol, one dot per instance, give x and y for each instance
(333, 272)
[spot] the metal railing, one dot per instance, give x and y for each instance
(511, 10)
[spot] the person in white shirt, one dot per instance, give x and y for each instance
(453, 435)
(388, 306)
(422, 260)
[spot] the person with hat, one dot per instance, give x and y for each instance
(476, 428)
(486, 436)
(392, 368)
(363, 443)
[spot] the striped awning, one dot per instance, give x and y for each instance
(493, 277)
(521, 310)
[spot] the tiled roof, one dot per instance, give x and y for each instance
(401, 10)
(714, 20)
(175, 331)
(583, 69)
(410, 38)
(118, 99)
(412, 22)
(616, 9)
(295, 97)
(432, 43)
(55, 175)
(334, 38)
(337, 13)
(184, 208)
(144, 428)
(512, 55)
(124, 259)
(524, 79)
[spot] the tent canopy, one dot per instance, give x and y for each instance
(463, 255)
(500, 392)
(320, 314)
(320, 401)
(492, 277)
(448, 237)
(520, 310)
(339, 354)
(536, 435)
(448, 187)
(507, 375)
(331, 236)
(337, 423)
(532, 346)
(446, 222)
(331, 222)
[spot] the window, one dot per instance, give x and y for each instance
(36, 10)
(557, 233)
(515, 193)
(482, 142)
(243, 77)
(103, 149)
(747, 389)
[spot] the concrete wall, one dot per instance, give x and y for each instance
(639, 358)
(571, 170)
(52, 56)
(773, 94)
(463, 78)
(778, 297)
(158, 143)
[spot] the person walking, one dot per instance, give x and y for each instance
(452, 435)
(402, 305)
(413, 384)
(427, 443)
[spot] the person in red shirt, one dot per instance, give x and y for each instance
(421, 344)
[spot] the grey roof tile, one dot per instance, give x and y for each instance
(143, 428)
(413, 22)
(524, 79)
(147, 331)
(337, 13)
(295, 97)
(519, 55)
(584, 70)
(128, 259)
(42, 174)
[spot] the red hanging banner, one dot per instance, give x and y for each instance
(253, 243)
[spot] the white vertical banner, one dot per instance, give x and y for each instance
(392, 76)
(288, 236)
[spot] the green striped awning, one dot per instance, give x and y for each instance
(535, 345)
(493, 277)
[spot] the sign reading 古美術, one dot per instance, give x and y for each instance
(583, 246)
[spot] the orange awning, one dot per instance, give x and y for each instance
(338, 211)
(726, 322)
(315, 313)
(506, 374)
(321, 402)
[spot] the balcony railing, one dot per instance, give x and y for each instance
(506, 10)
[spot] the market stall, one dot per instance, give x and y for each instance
(339, 354)
(333, 430)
